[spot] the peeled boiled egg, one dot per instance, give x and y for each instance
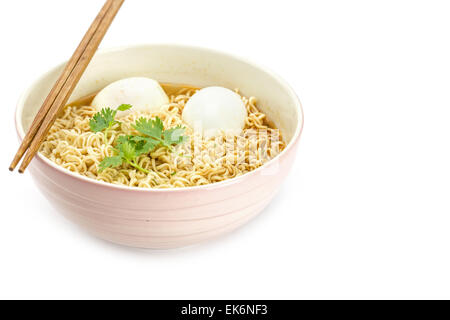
(214, 109)
(143, 94)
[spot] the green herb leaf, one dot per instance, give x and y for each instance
(105, 119)
(102, 120)
(110, 162)
(144, 145)
(129, 147)
(123, 139)
(154, 130)
(128, 150)
(151, 128)
(124, 107)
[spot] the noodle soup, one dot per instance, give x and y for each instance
(199, 160)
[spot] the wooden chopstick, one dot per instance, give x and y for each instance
(94, 36)
(71, 83)
(58, 86)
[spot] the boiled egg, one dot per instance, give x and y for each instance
(144, 94)
(215, 109)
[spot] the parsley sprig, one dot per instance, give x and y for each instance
(128, 148)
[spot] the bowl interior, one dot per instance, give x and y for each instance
(176, 64)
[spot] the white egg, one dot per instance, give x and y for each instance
(214, 109)
(143, 94)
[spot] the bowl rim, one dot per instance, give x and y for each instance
(21, 132)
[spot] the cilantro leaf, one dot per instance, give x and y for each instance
(124, 107)
(151, 128)
(105, 119)
(102, 120)
(110, 162)
(128, 151)
(123, 139)
(129, 147)
(154, 130)
(144, 145)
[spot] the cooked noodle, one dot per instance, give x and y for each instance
(72, 145)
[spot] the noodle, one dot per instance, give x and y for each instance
(72, 145)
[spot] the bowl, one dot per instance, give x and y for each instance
(167, 218)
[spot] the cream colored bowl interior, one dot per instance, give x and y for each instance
(176, 64)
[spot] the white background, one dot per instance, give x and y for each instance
(365, 212)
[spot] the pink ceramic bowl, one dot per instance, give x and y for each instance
(167, 218)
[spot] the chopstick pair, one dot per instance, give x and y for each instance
(64, 86)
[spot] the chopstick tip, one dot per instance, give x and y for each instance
(13, 164)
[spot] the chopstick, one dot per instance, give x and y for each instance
(58, 86)
(65, 85)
